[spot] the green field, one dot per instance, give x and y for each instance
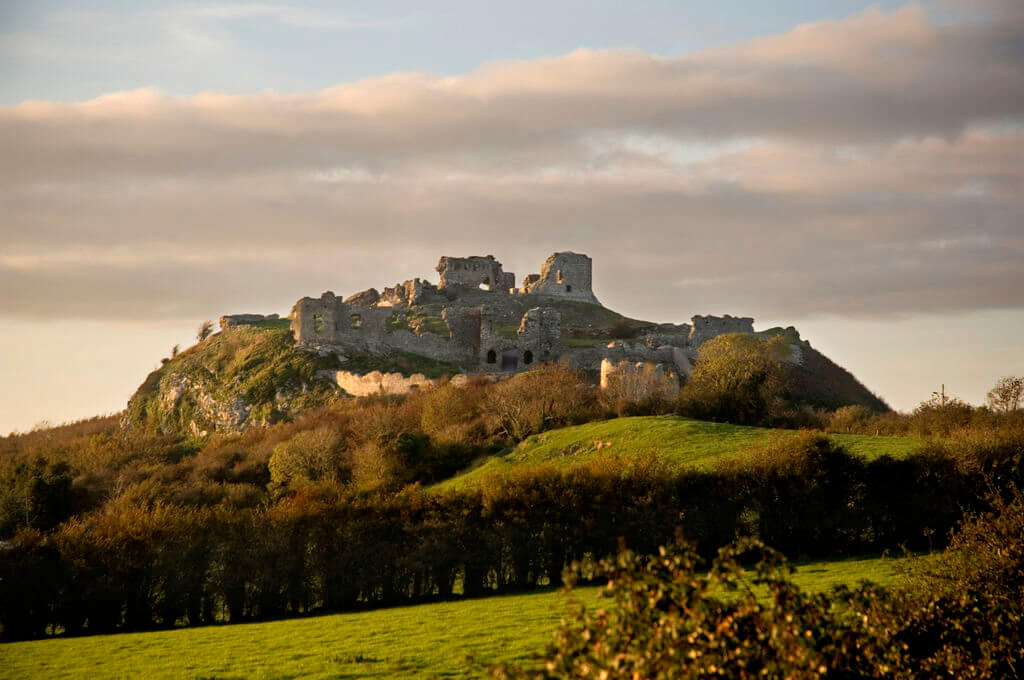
(447, 639)
(681, 441)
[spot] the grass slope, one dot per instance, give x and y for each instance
(681, 441)
(433, 640)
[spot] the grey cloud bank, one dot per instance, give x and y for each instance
(862, 167)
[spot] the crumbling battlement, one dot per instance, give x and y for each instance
(565, 275)
(467, 319)
(413, 292)
(234, 320)
(475, 272)
(707, 327)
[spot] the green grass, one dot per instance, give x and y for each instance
(507, 330)
(433, 324)
(585, 342)
(398, 361)
(284, 324)
(433, 640)
(681, 441)
(397, 322)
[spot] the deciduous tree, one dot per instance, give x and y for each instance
(1007, 394)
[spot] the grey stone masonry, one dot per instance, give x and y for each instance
(233, 320)
(564, 275)
(469, 317)
(475, 272)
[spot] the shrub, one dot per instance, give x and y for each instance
(850, 419)
(549, 396)
(940, 415)
(309, 456)
(448, 407)
(632, 391)
(737, 378)
(667, 621)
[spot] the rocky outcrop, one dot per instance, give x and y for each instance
(239, 377)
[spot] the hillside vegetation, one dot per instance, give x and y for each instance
(124, 530)
(681, 442)
(250, 375)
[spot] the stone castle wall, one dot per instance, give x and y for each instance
(474, 272)
(235, 320)
(707, 327)
(376, 382)
(378, 323)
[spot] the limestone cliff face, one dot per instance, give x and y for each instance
(240, 377)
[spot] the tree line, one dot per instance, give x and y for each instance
(139, 566)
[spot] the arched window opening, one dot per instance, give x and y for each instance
(560, 276)
(568, 289)
(318, 323)
(492, 357)
(357, 321)
(527, 357)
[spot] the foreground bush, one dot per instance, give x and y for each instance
(668, 621)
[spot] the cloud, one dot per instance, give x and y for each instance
(861, 167)
(290, 16)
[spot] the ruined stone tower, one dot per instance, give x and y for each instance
(564, 275)
(474, 272)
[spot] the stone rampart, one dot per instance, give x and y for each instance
(707, 327)
(234, 320)
(376, 382)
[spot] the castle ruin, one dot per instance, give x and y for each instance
(477, 318)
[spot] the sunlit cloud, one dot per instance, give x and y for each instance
(863, 167)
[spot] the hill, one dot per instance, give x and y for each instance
(682, 442)
(262, 369)
(821, 382)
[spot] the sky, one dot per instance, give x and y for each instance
(852, 169)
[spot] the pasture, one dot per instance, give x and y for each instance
(682, 442)
(446, 640)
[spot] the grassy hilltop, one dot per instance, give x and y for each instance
(681, 442)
